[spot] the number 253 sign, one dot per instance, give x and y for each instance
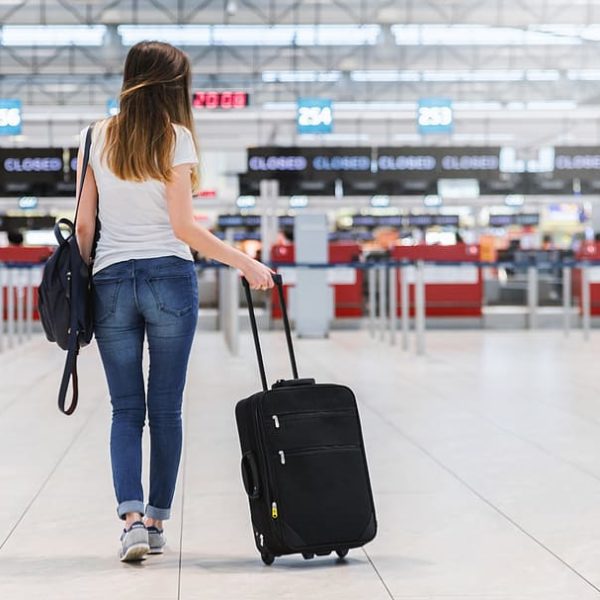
(434, 116)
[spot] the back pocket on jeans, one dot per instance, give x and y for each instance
(105, 295)
(173, 294)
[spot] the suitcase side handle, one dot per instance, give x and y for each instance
(278, 280)
(250, 476)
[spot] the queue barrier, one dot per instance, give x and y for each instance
(346, 280)
(18, 302)
(386, 299)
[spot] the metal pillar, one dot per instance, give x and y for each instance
(420, 307)
(382, 302)
(566, 299)
(20, 293)
(10, 325)
(233, 327)
(393, 302)
(371, 285)
(586, 304)
(29, 303)
(404, 305)
(532, 296)
(269, 226)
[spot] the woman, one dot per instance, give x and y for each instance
(141, 176)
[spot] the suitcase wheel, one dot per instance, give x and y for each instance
(342, 552)
(308, 555)
(267, 558)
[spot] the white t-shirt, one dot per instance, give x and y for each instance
(133, 215)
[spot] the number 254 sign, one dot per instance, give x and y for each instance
(10, 117)
(315, 115)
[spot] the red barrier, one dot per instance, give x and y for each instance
(450, 291)
(347, 287)
(22, 254)
(25, 254)
(589, 251)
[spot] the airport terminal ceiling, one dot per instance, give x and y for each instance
(521, 74)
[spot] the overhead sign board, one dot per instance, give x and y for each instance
(332, 160)
(577, 159)
(112, 107)
(10, 116)
(31, 164)
(434, 115)
(314, 115)
(505, 220)
(448, 162)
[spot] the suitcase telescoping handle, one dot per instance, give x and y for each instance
(277, 279)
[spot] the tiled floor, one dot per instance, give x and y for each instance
(484, 456)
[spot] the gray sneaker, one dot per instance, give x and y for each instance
(156, 539)
(134, 542)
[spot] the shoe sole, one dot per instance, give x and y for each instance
(156, 551)
(135, 552)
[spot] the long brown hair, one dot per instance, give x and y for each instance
(156, 93)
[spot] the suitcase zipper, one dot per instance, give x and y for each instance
(262, 445)
(292, 416)
(314, 450)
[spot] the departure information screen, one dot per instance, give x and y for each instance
(204, 99)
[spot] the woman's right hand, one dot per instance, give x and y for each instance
(259, 276)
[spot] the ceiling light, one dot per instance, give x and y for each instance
(481, 35)
(253, 35)
(183, 35)
(385, 76)
(542, 75)
(52, 35)
(584, 75)
(300, 76)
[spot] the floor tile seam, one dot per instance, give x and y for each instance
(370, 560)
(379, 576)
(54, 469)
(483, 498)
(522, 438)
(231, 495)
(502, 428)
(37, 381)
(477, 494)
(572, 381)
(184, 464)
(16, 353)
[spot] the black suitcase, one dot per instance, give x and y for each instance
(303, 463)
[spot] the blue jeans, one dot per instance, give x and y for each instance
(157, 297)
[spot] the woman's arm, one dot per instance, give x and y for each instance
(86, 217)
(181, 214)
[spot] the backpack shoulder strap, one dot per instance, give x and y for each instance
(84, 166)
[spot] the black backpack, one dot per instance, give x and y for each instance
(64, 303)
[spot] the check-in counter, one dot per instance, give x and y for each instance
(588, 251)
(453, 290)
(347, 282)
(19, 279)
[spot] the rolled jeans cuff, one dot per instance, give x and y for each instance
(130, 506)
(160, 514)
